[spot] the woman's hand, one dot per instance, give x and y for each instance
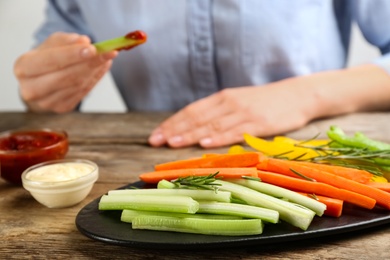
(276, 108)
(222, 118)
(58, 74)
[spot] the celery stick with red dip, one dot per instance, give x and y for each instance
(126, 42)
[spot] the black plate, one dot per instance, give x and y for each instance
(106, 226)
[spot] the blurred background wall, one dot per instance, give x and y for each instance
(20, 18)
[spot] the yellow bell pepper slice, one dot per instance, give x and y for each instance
(236, 149)
(378, 179)
(283, 145)
(313, 142)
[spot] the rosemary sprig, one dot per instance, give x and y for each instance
(298, 157)
(251, 178)
(358, 158)
(350, 151)
(198, 182)
(313, 196)
(310, 139)
(280, 155)
(302, 176)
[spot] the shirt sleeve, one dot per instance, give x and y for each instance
(373, 19)
(63, 16)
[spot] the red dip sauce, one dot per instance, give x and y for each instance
(22, 149)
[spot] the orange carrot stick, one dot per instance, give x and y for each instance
(210, 155)
(288, 167)
(222, 160)
(349, 173)
(334, 207)
(314, 187)
(385, 186)
(226, 173)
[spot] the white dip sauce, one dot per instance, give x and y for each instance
(59, 172)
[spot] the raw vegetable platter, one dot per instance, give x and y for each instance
(132, 215)
(105, 226)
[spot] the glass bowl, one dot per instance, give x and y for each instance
(20, 149)
(60, 183)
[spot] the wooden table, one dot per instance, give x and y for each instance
(118, 144)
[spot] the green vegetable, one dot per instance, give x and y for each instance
(357, 151)
(129, 214)
(121, 43)
(359, 140)
(241, 227)
(222, 196)
(179, 204)
(171, 208)
(246, 211)
(297, 216)
(197, 182)
(164, 184)
(286, 194)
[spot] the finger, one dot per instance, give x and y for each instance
(77, 75)
(232, 136)
(66, 99)
(58, 39)
(38, 62)
(194, 115)
(204, 132)
(53, 102)
(74, 99)
(96, 77)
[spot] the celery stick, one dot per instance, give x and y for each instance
(222, 196)
(179, 204)
(129, 214)
(121, 43)
(297, 216)
(246, 211)
(164, 184)
(238, 227)
(280, 192)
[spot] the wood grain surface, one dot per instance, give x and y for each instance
(118, 144)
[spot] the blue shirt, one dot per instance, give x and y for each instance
(197, 47)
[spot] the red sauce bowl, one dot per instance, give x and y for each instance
(20, 149)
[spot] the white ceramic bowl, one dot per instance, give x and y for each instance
(60, 183)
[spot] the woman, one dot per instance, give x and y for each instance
(226, 66)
